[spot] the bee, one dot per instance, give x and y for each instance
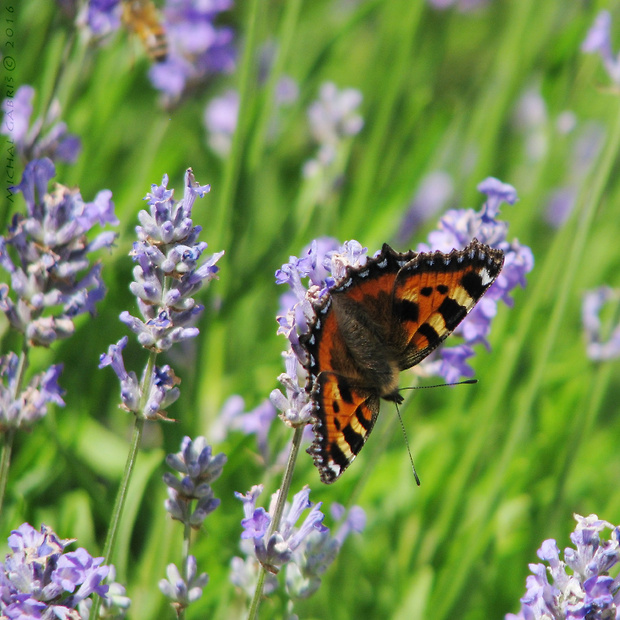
(142, 18)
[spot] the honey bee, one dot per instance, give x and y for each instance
(142, 18)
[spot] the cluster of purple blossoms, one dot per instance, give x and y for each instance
(197, 48)
(325, 264)
(167, 274)
(456, 229)
(190, 500)
(598, 41)
(306, 550)
(51, 275)
(47, 137)
(598, 348)
(588, 591)
(333, 118)
(199, 468)
(22, 410)
(39, 580)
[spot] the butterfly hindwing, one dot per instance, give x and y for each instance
(344, 417)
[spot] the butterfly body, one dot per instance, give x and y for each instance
(380, 319)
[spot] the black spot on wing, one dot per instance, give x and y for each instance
(428, 331)
(452, 312)
(337, 455)
(345, 392)
(355, 440)
(365, 422)
(407, 310)
(472, 283)
(426, 291)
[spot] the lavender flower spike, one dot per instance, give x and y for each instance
(47, 254)
(30, 405)
(168, 270)
(45, 137)
(39, 580)
(190, 498)
(587, 590)
(277, 549)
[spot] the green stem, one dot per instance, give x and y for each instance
(121, 496)
(9, 436)
(277, 515)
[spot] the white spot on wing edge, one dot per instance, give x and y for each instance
(485, 276)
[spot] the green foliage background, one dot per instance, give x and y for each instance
(504, 464)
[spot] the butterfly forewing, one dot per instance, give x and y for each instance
(433, 293)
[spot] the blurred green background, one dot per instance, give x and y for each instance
(504, 464)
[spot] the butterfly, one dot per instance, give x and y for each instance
(378, 320)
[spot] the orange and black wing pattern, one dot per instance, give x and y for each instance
(378, 320)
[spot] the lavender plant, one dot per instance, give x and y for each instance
(46, 136)
(47, 254)
(39, 580)
(190, 501)
(580, 585)
(170, 269)
(305, 551)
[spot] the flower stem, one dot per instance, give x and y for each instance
(121, 496)
(277, 515)
(9, 435)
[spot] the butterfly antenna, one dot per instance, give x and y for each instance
(402, 426)
(424, 387)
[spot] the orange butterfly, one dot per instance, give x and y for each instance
(380, 319)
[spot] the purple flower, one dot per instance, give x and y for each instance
(183, 588)
(103, 16)
(274, 549)
(199, 469)
(168, 270)
(21, 411)
(319, 550)
(37, 576)
(197, 48)
(598, 41)
(587, 591)
(295, 408)
(45, 138)
(46, 254)
(599, 348)
(333, 118)
(456, 229)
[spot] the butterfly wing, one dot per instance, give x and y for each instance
(434, 292)
(345, 372)
(344, 417)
